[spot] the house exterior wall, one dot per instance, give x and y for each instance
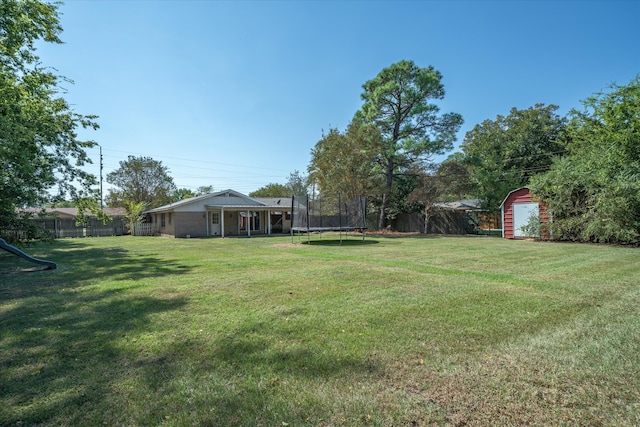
(521, 195)
(193, 224)
(168, 228)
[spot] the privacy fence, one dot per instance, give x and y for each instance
(439, 222)
(92, 227)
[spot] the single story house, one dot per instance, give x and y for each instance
(223, 213)
(519, 208)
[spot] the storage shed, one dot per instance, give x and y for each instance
(518, 208)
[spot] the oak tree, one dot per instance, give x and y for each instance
(345, 162)
(504, 153)
(140, 180)
(41, 156)
(272, 190)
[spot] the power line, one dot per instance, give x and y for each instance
(191, 160)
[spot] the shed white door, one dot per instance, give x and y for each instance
(522, 213)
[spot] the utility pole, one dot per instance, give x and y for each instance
(101, 166)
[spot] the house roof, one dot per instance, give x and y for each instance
(460, 205)
(257, 202)
(74, 211)
(275, 202)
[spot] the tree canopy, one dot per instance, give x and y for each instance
(346, 163)
(297, 184)
(181, 194)
(40, 153)
(204, 189)
(593, 193)
(503, 154)
(140, 180)
(272, 190)
(397, 102)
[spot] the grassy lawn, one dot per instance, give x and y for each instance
(402, 331)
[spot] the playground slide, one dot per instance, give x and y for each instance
(7, 247)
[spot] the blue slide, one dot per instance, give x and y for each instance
(7, 247)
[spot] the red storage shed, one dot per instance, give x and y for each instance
(517, 210)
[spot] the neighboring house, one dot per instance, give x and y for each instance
(459, 217)
(223, 213)
(61, 222)
(72, 213)
(520, 211)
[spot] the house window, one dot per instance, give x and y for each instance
(253, 220)
(287, 215)
(215, 218)
(170, 218)
(162, 220)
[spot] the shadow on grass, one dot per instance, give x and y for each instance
(78, 263)
(61, 339)
(74, 353)
(337, 242)
(60, 354)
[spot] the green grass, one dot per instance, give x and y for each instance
(397, 331)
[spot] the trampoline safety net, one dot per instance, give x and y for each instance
(335, 213)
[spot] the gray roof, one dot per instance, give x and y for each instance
(73, 211)
(276, 202)
(260, 202)
(460, 205)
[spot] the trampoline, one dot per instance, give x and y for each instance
(328, 214)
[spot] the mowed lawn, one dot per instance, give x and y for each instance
(395, 331)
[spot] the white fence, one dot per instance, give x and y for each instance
(145, 230)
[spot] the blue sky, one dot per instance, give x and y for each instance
(236, 94)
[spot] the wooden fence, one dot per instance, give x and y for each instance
(92, 227)
(440, 222)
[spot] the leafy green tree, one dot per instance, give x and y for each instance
(272, 190)
(140, 180)
(40, 153)
(297, 184)
(408, 183)
(181, 194)
(397, 103)
(346, 163)
(204, 189)
(134, 214)
(593, 193)
(503, 154)
(455, 180)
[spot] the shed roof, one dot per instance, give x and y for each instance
(510, 193)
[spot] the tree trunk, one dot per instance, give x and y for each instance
(426, 220)
(382, 223)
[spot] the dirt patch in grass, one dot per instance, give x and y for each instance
(504, 391)
(393, 233)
